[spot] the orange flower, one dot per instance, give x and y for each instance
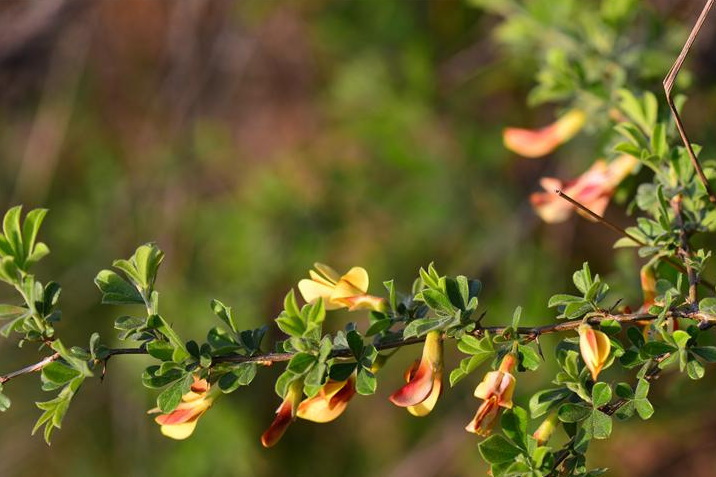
(593, 189)
(595, 347)
(648, 287)
(330, 402)
(340, 291)
(285, 414)
(540, 142)
(181, 422)
(424, 379)
(496, 388)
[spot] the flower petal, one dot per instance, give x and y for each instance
(179, 431)
(539, 142)
(311, 291)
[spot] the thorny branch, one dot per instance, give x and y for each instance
(529, 334)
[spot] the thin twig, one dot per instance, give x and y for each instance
(529, 334)
(615, 228)
(669, 85)
(684, 250)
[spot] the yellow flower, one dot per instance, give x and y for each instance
(539, 142)
(285, 415)
(546, 429)
(424, 379)
(181, 422)
(496, 388)
(595, 347)
(330, 402)
(340, 291)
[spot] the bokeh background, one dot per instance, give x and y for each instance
(252, 138)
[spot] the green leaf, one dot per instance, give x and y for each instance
(694, 369)
(707, 353)
(59, 373)
(12, 232)
(514, 425)
(571, 412)
(160, 350)
(496, 450)
(529, 359)
(379, 326)
(641, 403)
(437, 301)
(366, 383)
(355, 343)
(301, 363)
(543, 401)
(11, 311)
(115, 290)
(224, 314)
(653, 349)
(597, 425)
(708, 305)
(601, 394)
(170, 398)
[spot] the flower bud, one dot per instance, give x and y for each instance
(595, 347)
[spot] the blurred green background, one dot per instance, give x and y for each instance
(250, 139)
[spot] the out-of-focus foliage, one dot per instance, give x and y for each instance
(250, 139)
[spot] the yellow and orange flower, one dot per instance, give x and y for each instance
(595, 347)
(340, 291)
(593, 189)
(496, 388)
(539, 142)
(285, 414)
(181, 422)
(424, 379)
(648, 287)
(330, 402)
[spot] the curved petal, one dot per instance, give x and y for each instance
(424, 408)
(311, 291)
(417, 389)
(535, 143)
(179, 431)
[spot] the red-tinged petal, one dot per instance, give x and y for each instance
(322, 409)
(421, 380)
(179, 416)
(424, 408)
(490, 385)
(507, 390)
(539, 142)
(648, 287)
(199, 386)
(594, 347)
(285, 415)
(484, 419)
(417, 389)
(278, 427)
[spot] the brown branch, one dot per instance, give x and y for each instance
(598, 218)
(529, 334)
(669, 85)
(684, 250)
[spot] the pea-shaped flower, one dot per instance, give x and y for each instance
(595, 347)
(424, 379)
(330, 402)
(285, 414)
(181, 422)
(496, 388)
(340, 291)
(539, 142)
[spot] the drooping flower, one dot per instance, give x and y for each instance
(181, 422)
(285, 414)
(496, 388)
(330, 402)
(340, 291)
(593, 189)
(539, 142)
(648, 287)
(595, 347)
(424, 379)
